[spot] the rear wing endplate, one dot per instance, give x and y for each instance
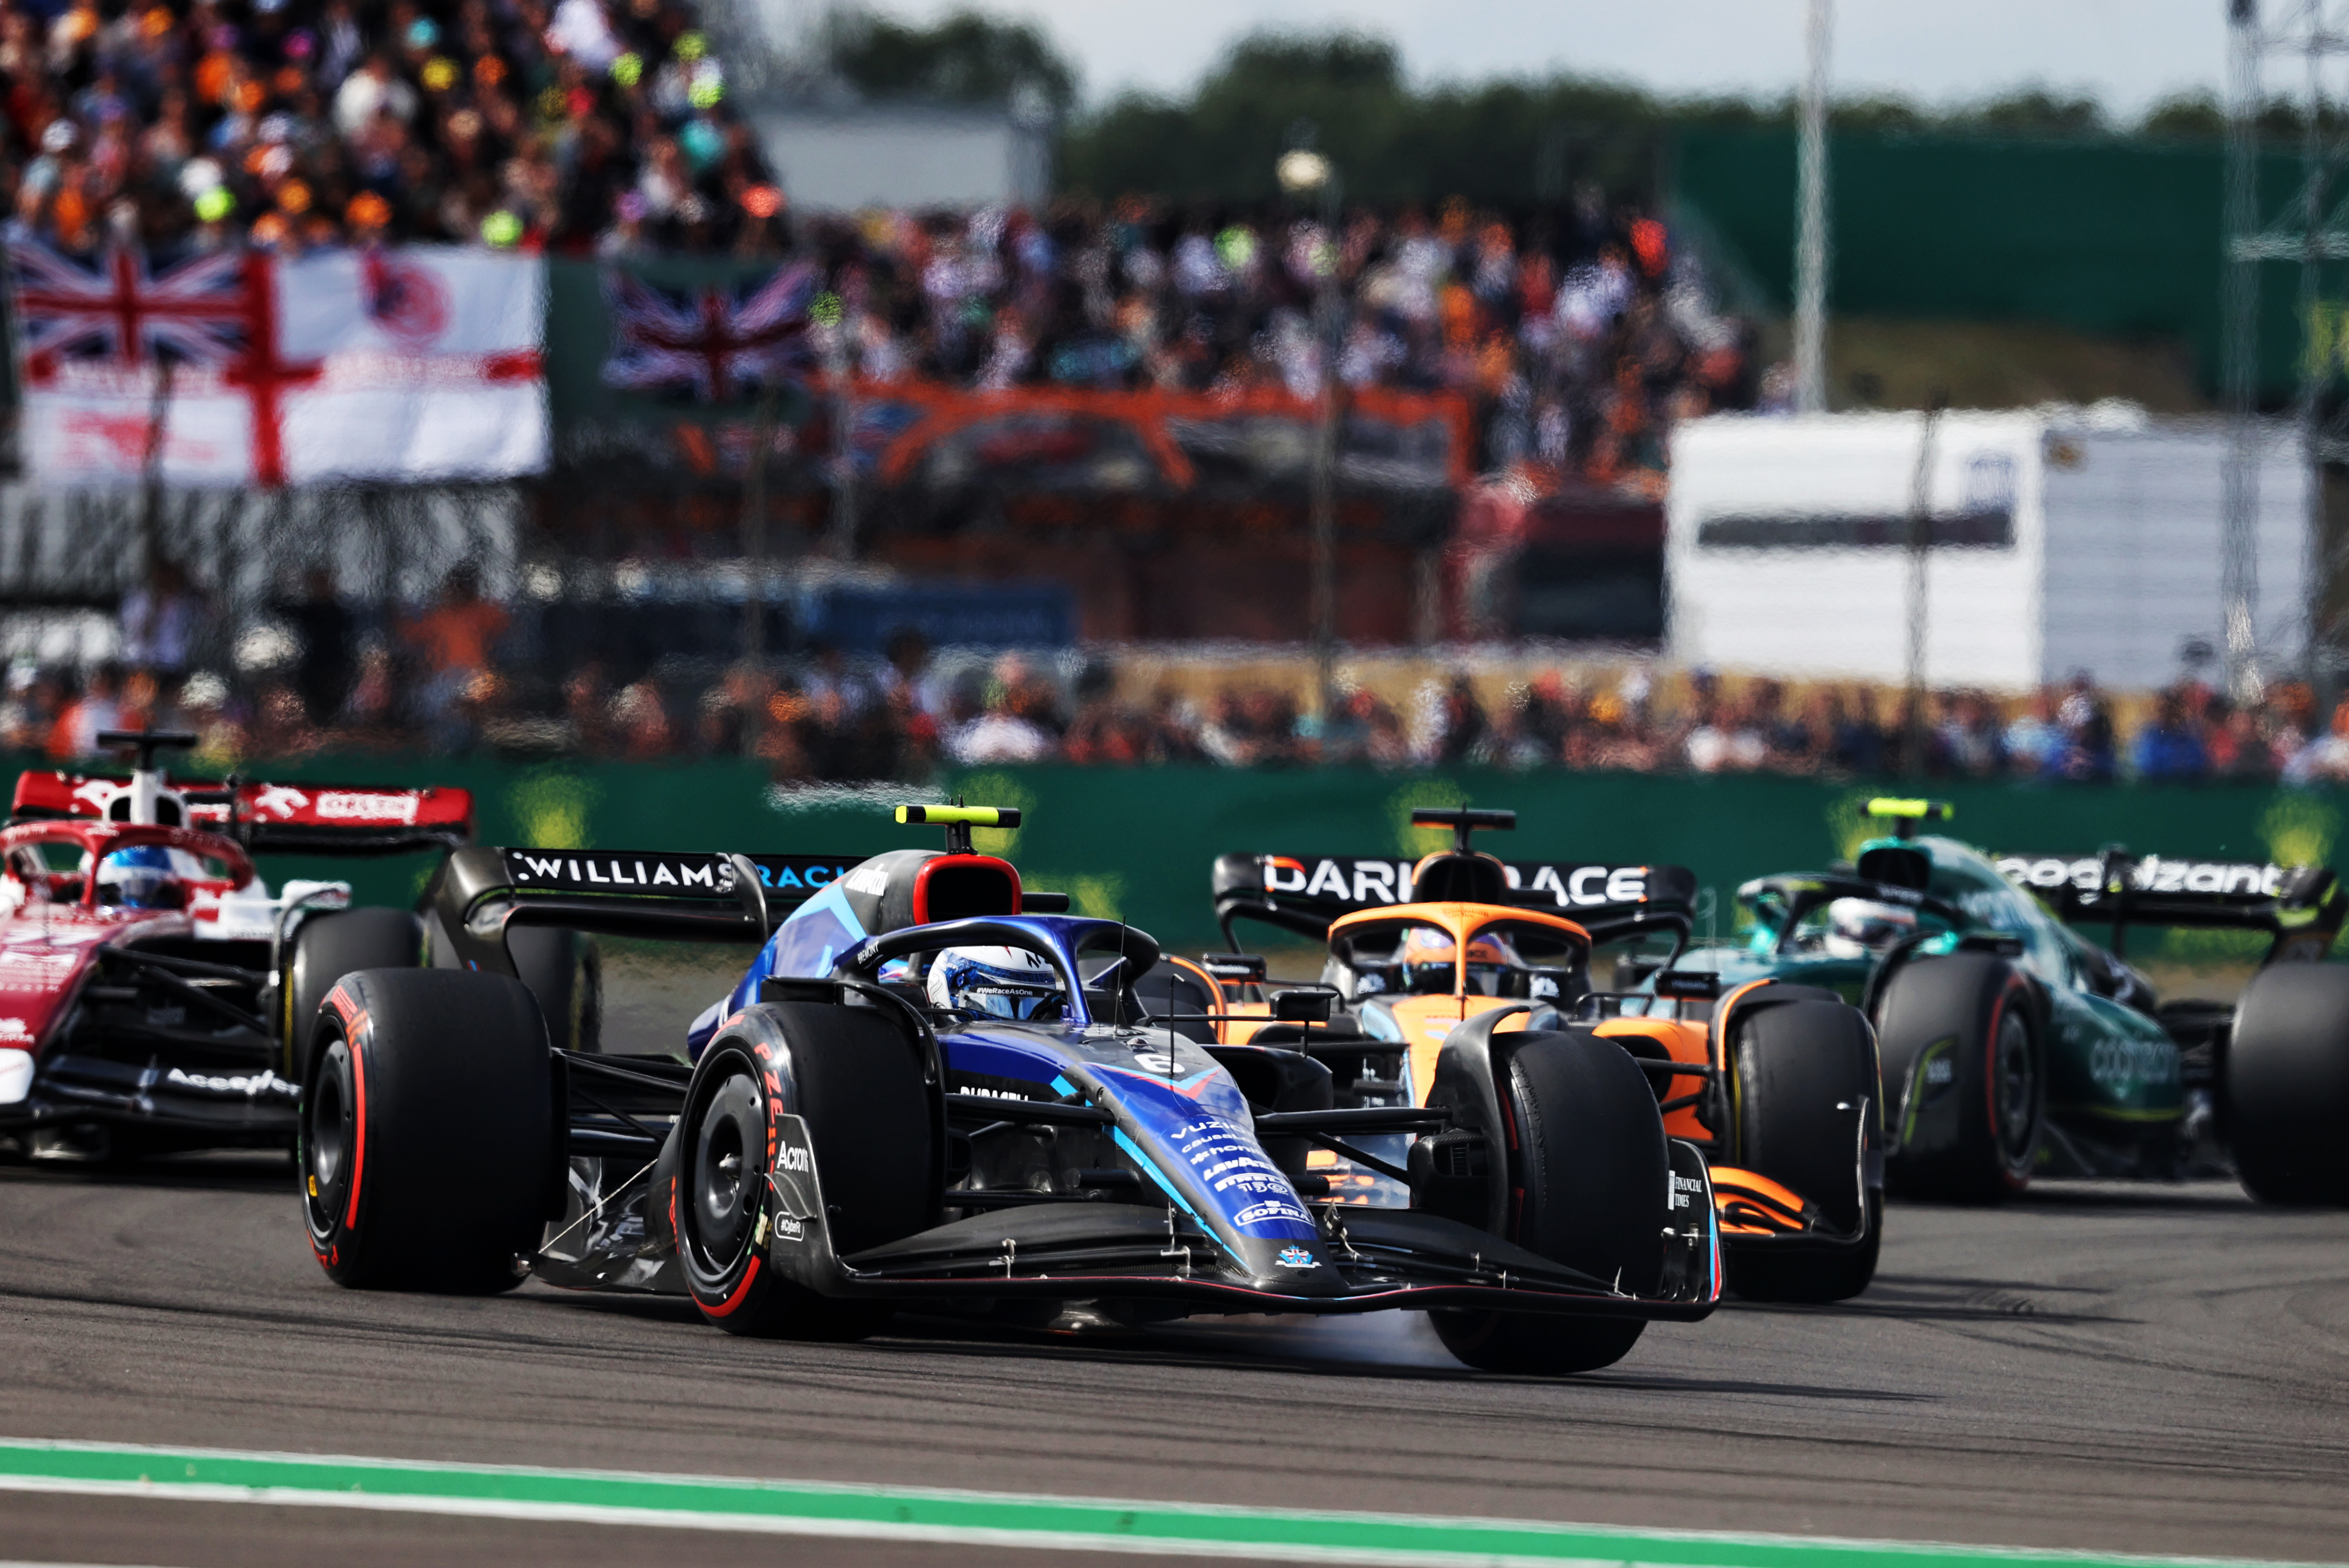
(1305, 893)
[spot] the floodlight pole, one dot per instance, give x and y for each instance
(1920, 542)
(2239, 504)
(1302, 172)
(1811, 218)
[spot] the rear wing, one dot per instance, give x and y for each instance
(1305, 893)
(2303, 906)
(672, 895)
(298, 819)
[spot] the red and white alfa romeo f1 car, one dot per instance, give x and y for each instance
(146, 972)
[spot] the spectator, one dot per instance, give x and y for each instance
(456, 639)
(1860, 743)
(161, 621)
(321, 670)
(1723, 741)
(2324, 759)
(93, 709)
(2171, 748)
(1001, 735)
(2035, 739)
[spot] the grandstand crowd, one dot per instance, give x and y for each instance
(604, 128)
(320, 679)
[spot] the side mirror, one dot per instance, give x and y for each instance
(1303, 1005)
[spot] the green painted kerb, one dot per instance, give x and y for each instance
(967, 1517)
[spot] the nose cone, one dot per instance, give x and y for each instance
(1288, 1267)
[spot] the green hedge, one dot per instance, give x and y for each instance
(1137, 843)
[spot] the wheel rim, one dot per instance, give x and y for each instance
(329, 1130)
(728, 1144)
(2014, 1087)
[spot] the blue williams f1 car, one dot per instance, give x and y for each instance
(934, 1090)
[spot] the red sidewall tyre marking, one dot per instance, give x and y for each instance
(726, 1308)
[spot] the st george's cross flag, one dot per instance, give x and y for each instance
(241, 369)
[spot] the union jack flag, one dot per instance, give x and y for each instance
(712, 342)
(197, 313)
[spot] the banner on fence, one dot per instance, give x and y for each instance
(652, 358)
(240, 369)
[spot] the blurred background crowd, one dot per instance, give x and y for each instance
(1579, 340)
(323, 678)
(290, 124)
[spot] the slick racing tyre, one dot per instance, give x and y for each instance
(427, 1131)
(1965, 1078)
(1803, 1103)
(2287, 1084)
(564, 970)
(1592, 1165)
(855, 1079)
(326, 948)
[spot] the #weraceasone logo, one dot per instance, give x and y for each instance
(405, 300)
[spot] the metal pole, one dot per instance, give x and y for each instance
(1323, 506)
(151, 478)
(1811, 220)
(2315, 370)
(2239, 567)
(1920, 542)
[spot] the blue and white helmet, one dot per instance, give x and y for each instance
(1003, 983)
(142, 877)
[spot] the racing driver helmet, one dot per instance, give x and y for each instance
(1003, 983)
(1859, 927)
(1429, 955)
(143, 877)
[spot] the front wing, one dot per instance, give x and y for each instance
(1377, 1257)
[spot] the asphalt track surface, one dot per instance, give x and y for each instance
(2105, 1368)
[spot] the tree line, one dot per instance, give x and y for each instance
(1504, 141)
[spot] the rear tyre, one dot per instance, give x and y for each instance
(1805, 1104)
(564, 970)
(2287, 1084)
(1965, 1082)
(427, 1131)
(855, 1082)
(1595, 1175)
(326, 948)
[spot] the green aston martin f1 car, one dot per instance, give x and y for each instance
(2011, 1045)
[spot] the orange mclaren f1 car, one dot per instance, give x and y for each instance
(1776, 1082)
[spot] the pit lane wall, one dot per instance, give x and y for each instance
(1136, 844)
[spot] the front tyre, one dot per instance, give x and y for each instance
(1965, 1081)
(1805, 1107)
(427, 1131)
(857, 1084)
(1595, 1174)
(2287, 1084)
